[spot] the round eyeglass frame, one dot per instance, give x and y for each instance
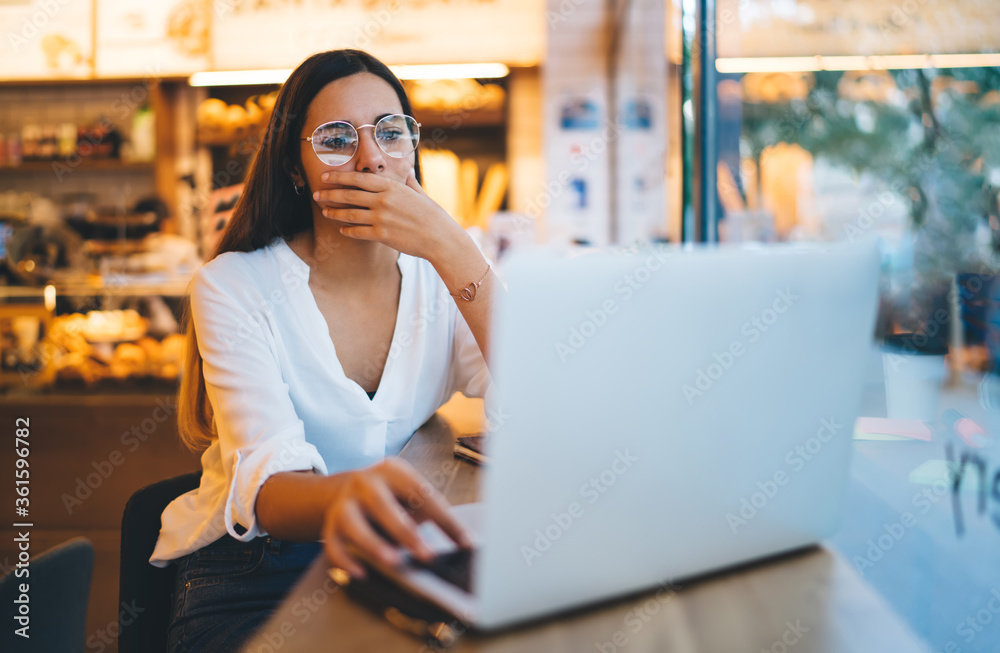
(415, 139)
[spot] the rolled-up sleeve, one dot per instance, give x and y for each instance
(259, 431)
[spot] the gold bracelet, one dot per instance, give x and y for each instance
(469, 292)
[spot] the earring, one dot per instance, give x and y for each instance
(298, 189)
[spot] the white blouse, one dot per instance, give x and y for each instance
(280, 397)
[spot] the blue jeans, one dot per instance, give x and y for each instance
(225, 591)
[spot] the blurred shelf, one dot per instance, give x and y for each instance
(102, 393)
(176, 287)
(62, 167)
(92, 81)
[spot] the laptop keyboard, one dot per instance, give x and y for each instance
(454, 567)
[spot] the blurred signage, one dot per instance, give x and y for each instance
(152, 39)
(54, 39)
(45, 40)
(249, 34)
(769, 28)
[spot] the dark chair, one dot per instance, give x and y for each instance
(59, 587)
(141, 584)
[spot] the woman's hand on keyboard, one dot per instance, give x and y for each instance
(390, 497)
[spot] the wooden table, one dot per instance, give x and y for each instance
(809, 601)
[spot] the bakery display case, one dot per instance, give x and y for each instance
(91, 337)
(97, 235)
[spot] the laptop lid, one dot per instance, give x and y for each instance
(665, 413)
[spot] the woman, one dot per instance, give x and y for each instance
(341, 309)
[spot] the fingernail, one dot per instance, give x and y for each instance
(325, 176)
(326, 213)
(316, 195)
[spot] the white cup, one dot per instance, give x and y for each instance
(912, 384)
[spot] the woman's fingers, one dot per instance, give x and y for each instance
(364, 180)
(428, 503)
(397, 523)
(361, 232)
(438, 510)
(351, 216)
(337, 553)
(411, 181)
(351, 196)
(359, 531)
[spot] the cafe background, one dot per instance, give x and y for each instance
(127, 128)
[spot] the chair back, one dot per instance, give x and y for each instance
(144, 590)
(56, 602)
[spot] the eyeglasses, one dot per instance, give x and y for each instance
(335, 143)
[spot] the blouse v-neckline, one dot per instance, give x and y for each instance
(320, 322)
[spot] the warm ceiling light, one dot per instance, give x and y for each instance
(965, 60)
(452, 71)
(240, 77)
(278, 76)
(49, 295)
(877, 62)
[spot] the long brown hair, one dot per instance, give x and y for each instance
(269, 207)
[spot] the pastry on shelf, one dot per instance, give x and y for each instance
(66, 333)
(77, 366)
(114, 326)
(172, 356)
(455, 94)
(212, 119)
(220, 123)
(129, 360)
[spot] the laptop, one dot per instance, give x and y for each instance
(667, 413)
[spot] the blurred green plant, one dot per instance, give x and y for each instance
(931, 136)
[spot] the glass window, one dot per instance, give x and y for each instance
(870, 118)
